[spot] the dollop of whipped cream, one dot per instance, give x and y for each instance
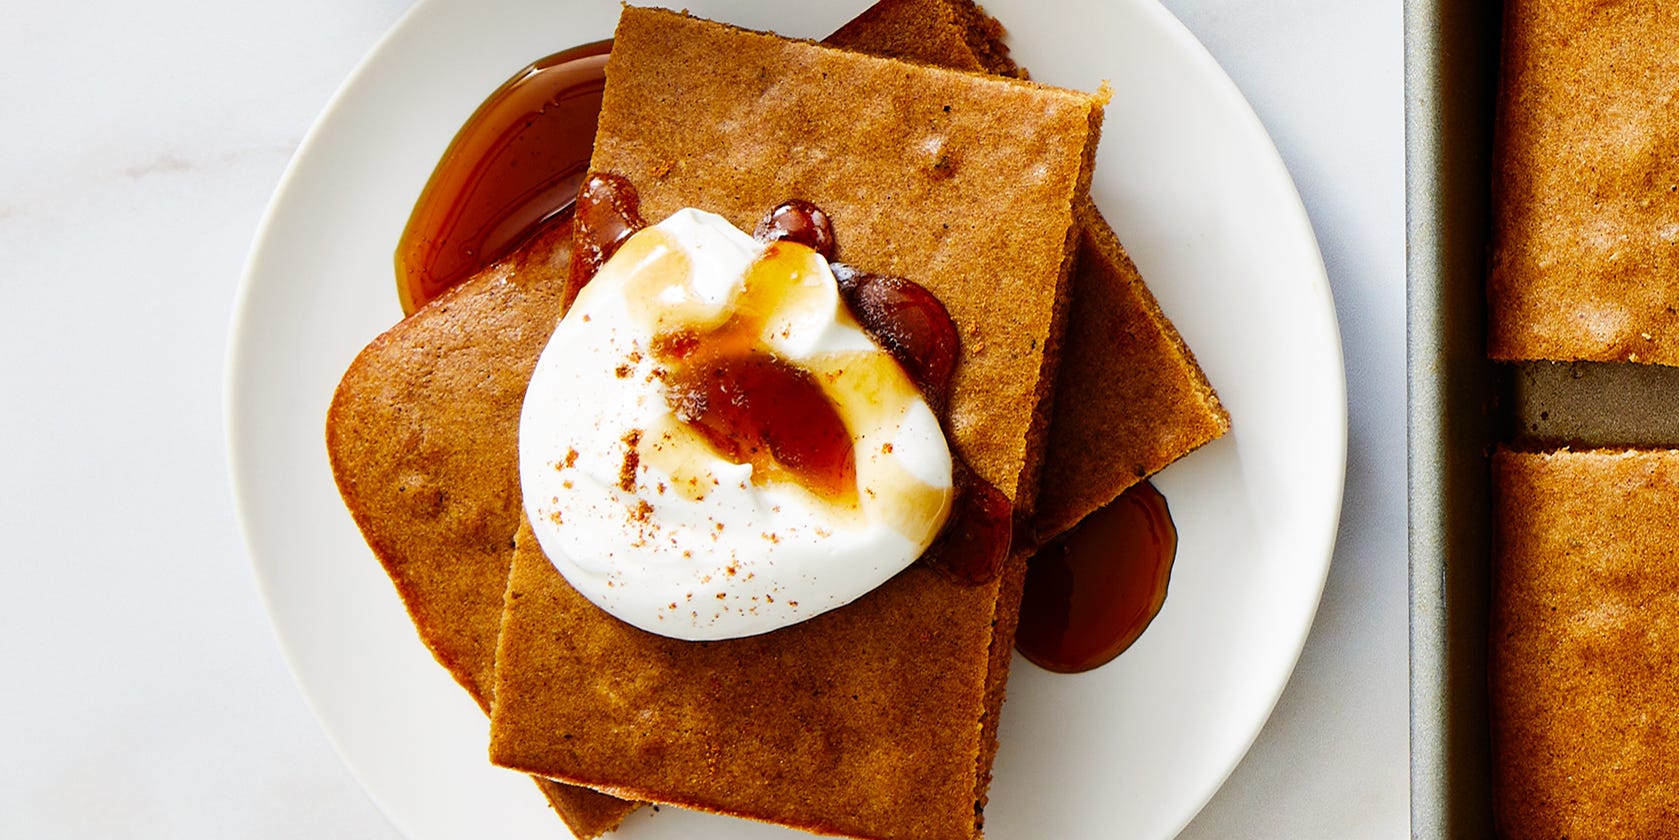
(638, 489)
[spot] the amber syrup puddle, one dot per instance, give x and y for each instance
(1093, 590)
(515, 165)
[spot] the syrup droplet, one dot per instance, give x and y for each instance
(1093, 590)
(975, 540)
(608, 212)
(515, 165)
(798, 221)
(908, 321)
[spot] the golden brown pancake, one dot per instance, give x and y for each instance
(1129, 399)
(423, 439)
(871, 720)
(1585, 644)
(1586, 181)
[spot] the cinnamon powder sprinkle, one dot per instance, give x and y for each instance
(632, 460)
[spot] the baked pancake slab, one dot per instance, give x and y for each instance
(1586, 176)
(1585, 644)
(423, 439)
(1130, 398)
(874, 719)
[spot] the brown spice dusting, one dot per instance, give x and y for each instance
(570, 459)
(623, 371)
(632, 460)
(886, 448)
(643, 511)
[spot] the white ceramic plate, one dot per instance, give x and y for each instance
(1196, 191)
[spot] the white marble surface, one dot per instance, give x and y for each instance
(144, 694)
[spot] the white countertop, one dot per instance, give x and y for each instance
(144, 692)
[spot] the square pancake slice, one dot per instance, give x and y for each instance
(422, 435)
(876, 719)
(1585, 644)
(1130, 397)
(1585, 260)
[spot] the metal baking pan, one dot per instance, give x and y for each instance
(1461, 406)
(1451, 69)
